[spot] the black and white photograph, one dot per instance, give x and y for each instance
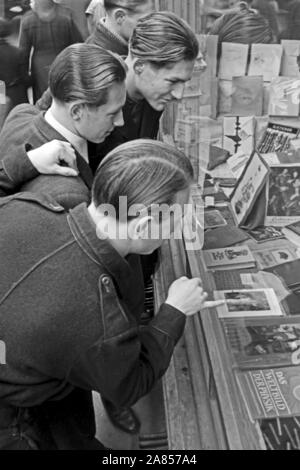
(283, 206)
(248, 303)
(117, 119)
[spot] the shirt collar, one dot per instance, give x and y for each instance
(76, 141)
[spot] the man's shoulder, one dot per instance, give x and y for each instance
(67, 192)
(23, 111)
(26, 199)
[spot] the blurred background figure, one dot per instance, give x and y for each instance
(45, 31)
(12, 72)
(243, 25)
(113, 31)
(94, 13)
(293, 20)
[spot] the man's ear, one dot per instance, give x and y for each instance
(138, 66)
(119, 16)
(140, 229)
(76, 111)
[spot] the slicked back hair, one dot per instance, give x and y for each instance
(130, 5)
(85, 72)
(162, 38)
(147, 172)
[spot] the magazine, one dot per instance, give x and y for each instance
(248, 188)
(248, 303)
(271, 393)
(283, 195)
(264, 343)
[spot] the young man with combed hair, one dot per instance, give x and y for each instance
(114, 30)
(68, 302)
(87, 84)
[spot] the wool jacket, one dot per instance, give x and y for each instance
(104, 38)
(69, 305)
(25, 129)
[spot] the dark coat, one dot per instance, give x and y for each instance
(47, 38)
(102, 37)
(68, 316)
(24, 129)
(13, 73)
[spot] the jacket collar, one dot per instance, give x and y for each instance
(49, 133)
(100, 251)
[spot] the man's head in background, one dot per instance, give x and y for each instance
(162, 54)
(122, 15)
(87, 85)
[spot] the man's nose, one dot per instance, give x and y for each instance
(119, 120)
(178, 90)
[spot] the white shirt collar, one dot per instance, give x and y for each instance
(76, 141)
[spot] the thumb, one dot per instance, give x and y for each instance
(65, 171)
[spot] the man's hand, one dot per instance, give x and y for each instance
(187, 296)
(54, 158)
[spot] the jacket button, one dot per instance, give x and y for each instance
(106, 282)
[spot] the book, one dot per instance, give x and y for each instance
(271, 393)
(249, 186)
(284, 97)
(238, 134)
(247, 96)
(233, 61)
(213, 219)
(283, 195)
(225, 90)
(265, 60)
(277, 138)
(289, 272)
(229, 258)
(248, 303)
(269, 257)
(289, 65)
(292, 232)
(224, 236)
(264, 343)
(265, 234)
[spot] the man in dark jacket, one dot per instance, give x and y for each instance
(114, 30)
(12, 71)
(83, 110)
(69, 303)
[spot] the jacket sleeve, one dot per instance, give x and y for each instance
(25, 42)
(15, 170)
(125, 367)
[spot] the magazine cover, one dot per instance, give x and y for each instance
(248, 188)
(264, 343)
(283, 195)
(248, 303)
(270, 393)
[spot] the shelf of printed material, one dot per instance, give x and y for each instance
(233, 382)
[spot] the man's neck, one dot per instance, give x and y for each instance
(61, 117)
(131, 87)
(108, 223)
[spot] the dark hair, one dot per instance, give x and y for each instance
(5, 28)
(130, 5)
(85, 72)
(242, 25)
(146, 171)
(162, 38)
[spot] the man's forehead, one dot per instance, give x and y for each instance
(180, 69)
